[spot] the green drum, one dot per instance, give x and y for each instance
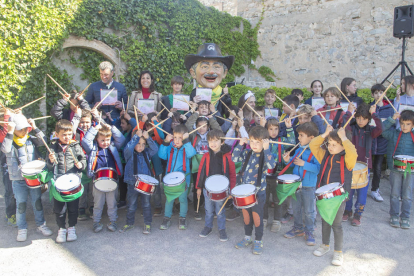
(174, 185)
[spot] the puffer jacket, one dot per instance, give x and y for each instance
(65, 162)
(59, 112)
(91, 148)
(379, 144)
(142, 167)
(16, 156)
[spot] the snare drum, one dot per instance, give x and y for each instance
(217, 187)
(360, 175)
(244, 196)
(329, 191)
(106, 180)
(68, 184)
(30, 171)
(145, 184)
(401, 162)
(289, 179)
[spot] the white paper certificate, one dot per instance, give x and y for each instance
(205, 93)
(111, 99)
(318, 102)
(402, 107)
(146, 106)
(179, 102)
(272, 112)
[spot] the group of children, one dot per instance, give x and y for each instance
(241, 145)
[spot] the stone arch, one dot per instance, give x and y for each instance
(98, 46)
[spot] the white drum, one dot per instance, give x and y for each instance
(173, 179)
(217, 187)
(68, 184)
(289, 179)
(244, 196)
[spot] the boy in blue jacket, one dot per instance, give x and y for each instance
(178, 154)
(307, 167)
(138, 159)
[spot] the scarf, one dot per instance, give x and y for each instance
(145, 93)
(20, 141)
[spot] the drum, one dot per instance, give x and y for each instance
(145, 184)
(31, 170)
(217, 187)
(244, 196)
(289, 179)
(106, 180)
(329, 191)
(68, 184)
(173, 179)
(401, 162)
(360, 175)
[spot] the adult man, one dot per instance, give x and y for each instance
(99, 89)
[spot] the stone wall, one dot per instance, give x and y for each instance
(303, 40)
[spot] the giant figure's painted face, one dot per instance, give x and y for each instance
(209, 73)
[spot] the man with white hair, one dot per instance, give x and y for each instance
(99, 89)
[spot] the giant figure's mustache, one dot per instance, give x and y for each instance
(210, 76)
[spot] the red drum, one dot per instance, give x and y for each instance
(30, 171)
(106, 179)
(244, 196)
(217, 187)
(146, 184)
(68, 184)
(329, 191)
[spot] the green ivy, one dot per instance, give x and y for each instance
(266, 73)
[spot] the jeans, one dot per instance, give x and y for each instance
(122, 186)
(361, 199)
(401, 186)
(214, 207)
(86, 200)
(304, 204)
(157, 193)
(254, 215)
(132, 200)
(99, 199)
(183, 206)
(337, 229)
(158, 168)
(61, 208)
(21, 192)
(376, 169)
(9, 199)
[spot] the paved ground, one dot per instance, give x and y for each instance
(372, 249)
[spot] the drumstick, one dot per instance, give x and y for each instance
(188, 103)
(198, 202)
(159, 128)
(347, 122)
(123, 105)
(322, 111)
(198, 128)
(57, 84)
(323, 117)
(224, 204)
(224, 119)
(230, 110)
(213, 113)
(291, 149)
(66, 98)
(47, 147)
(3, 106)
(254, 110)
(26, 105)
(346, 98)
(270, 111)
(74, 158)
(283, 102)
(245, 102)
(383, 94)
(218, 99)
(128, 102)
(159, 113)
(303, 151)
(100, 118)
(282, 143)
(136, 108)
(109, 93)
(159, 124)
(388, 100)
(165, 107)
(44, 117)
(136, 117)
(231, 138)
(83, 91)
(298, 116)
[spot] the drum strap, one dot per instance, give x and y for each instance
(279, 151)
(259, 170)
(135, 160)
(398, 140)
(195, 141)
(208, 164)
(342, 169)
(288, 165)
(96, 160)
(309, 159)
(336, 119)
(171, 157)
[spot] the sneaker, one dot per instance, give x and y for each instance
(198, 216)
(11, 221)
(112, 226)
(82, 215)
(322, 250)
(286, 218)
(147, 229)
(337, 258)
(71, 234)
(97, 227)
(244, 243)
(356, 221)
(61, 236)
(258, 247)
(126, 228)
(166, 223)
(21, 235)
(275, 226)
(310, 239)
(233, 215)
(294, 232)
(376, 196)
(395, 222)
(405, 223)
(346, 215)
(121, 204)
(91, 212)
(44, 230)
(228, 205)
(182, 223)
(205, 232)
(157, 212)
(264, 223)
(223, 235)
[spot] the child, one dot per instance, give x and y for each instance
(61, 162)
(20, 148)
(247, 111)
(59, 112)
(310, 115)
(316, 88)
(217, 161)
(379, 144)
(177, 83)
(401, 143)
(407, 87)
(256, 163)
(332, 97)
(270, 98)
(259, 120)
(337, 164)
(362, 136)
(307, 167)
(349, 87)
(298, 93)
(103, 153)
(277, 150)
(137, 159)
(178, 154)
(292, 102)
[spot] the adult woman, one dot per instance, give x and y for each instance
(146, 90)
(247, 111)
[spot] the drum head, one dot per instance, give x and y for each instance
(243, 189)
(106, 185)
(327, 188)
(174, 178)
(407, 157)
(289, 178)
(147, 179)
(67, 182)
(360, 166)
(217, 183)
(32, 167)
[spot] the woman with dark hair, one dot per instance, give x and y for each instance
(349, 87)
(146, 90)
(250, 98)
(316, 88)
